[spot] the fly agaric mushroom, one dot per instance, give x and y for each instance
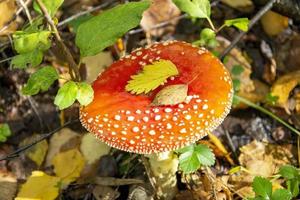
(131, 123)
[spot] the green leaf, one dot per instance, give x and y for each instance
(33, 58)
(281, 194)
(28, 42)
(85, 93)
(66, 95)
(293, 186)
(40, 80)
(237, 70)
(193, 156)
(103, 30)
(236, 84)
(4, 132)
(240, 23)
(289, 172)
(151, 77)
(195, 8)
(51, 5)
(80, 20)
(262, 187)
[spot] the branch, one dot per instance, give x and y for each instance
(66, 53)
(47, 135)
(253, 21)
(289, 8)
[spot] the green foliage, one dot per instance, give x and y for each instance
(85, 93)
(33, 58)
(4, 132)
(237, 70)
(71, 91)
(263, 190)
(27, 42)
(151, 77)
(103, 30)
(40, 80)
(66, 95)
(30, 46)
(195, 8)
(236, 84)
(292, 176)
(192, 157)
(51, 5)
(240, 23)
(207, 38)
(80, 20)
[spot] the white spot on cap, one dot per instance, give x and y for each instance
(168, 110)
(146, 119)
(124, 132)
(113, 133)
(132, 142)
(138, 112)
(169, 126)
(157, 117)
(116, 126)
(204, 107)
(117, 117)
(195, 107)
(130, 118)
(188, 117)
(105, 119)
(90, 120)
(152, 132)
(175, 118)
(135, 129)
(183, 130)
(139, 53)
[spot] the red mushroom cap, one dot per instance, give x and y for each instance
(129, 122)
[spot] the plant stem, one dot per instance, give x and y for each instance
(66, 52)
(267, 112)
(211, 24)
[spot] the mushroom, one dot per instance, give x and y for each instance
(131, 123)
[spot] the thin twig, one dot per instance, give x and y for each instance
(66, 52)
(45, 136)
(25, 8)
(253, 21)
(73, 17)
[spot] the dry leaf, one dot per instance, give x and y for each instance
(8, 185)
(160, 11)
(241, 5)
(7, 10)
(96, 64)
(274, 23)
(38, 152)
(39, 186)
(57, 141)
(92, 149)
(283, 86)
(171, 95)
(68, 165)
(105, 193)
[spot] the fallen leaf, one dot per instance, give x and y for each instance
(7, 10)
(8, 185)
(283, 86)
(57, 141)
(96, 64)
(68, 165)
(241, 5)
(160, 11)
(93, 149)
(39, 186)
(38, 152)
(171, 95)
(105, 193)
(274, 23)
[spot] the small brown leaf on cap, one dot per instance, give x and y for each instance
(171, 95)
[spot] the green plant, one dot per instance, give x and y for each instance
(4, 132)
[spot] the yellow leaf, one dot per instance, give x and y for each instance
(274, 23)
(151, 77)
(68, 165)
(38, 152)
(92, 148)
(283, 86)
(39, 186)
